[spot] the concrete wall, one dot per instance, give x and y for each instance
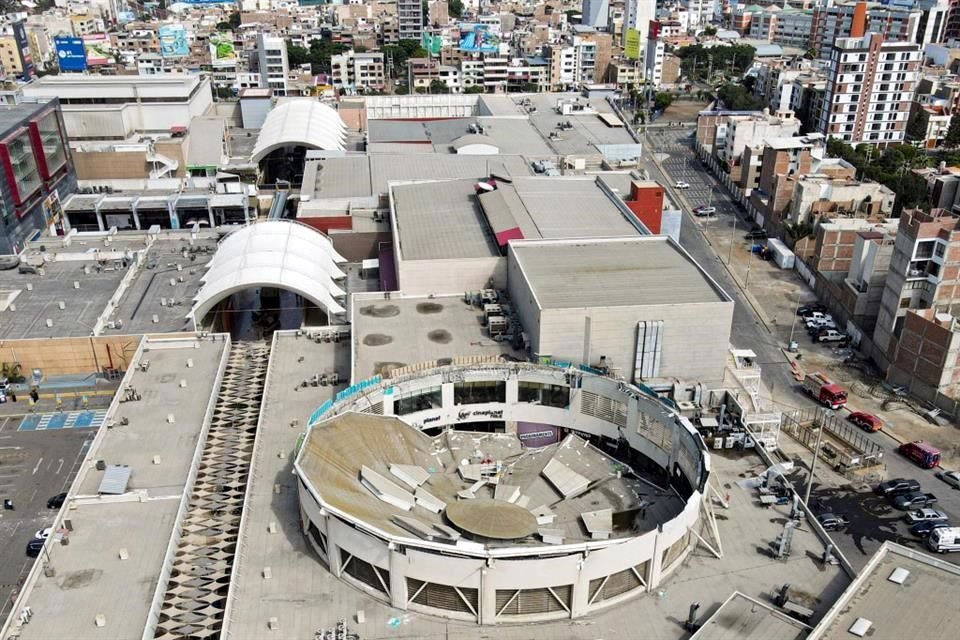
(129, 165)
(69, 356)
(423, 277)
(566, 334)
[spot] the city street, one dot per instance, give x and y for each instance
(872, 520)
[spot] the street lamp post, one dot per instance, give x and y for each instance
(813, 466)
(795, 311)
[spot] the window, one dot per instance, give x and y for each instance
(549, 395)
(22, 163)
(480, 392)
(419, 400)
(51, 142)
(939, 250)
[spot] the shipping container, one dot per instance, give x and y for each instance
(784, 258)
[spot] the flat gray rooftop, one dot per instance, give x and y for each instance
(642, 271)
(296, 587)
(443, 220)
(395, 333)
(352, 176)
(334, 455)
(206, 141)
(924, 606)
(91, 577)
(138, 303)
(510, 135)
(437, 220)
(744, 618)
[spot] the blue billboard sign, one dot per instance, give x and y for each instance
(479, 38)
(70, 53)
(173, 41)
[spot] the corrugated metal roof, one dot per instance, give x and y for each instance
(649, 270)
(115, 479)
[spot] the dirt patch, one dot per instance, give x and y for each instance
(77, 579)
(427, 308)
(376, 339)
(384, 368)
(380, 311)
(440, 336)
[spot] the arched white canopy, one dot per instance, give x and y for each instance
(300, 122)
(276, 253)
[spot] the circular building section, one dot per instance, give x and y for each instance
(501, 492)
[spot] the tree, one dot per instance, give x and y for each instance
(662, 100)
(438, 86)
(297, 55)
(224, 93)
(737, 98)
(477, 88)
(811, 53)
(710, 32)
(455, 8)
(699, 62)
(952, 138)
(234, 20)
(917, 125)
(798, 231)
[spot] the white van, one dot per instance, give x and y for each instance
(944, 540)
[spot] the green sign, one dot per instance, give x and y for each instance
(631, 44)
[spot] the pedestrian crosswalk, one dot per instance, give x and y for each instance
(63, 420)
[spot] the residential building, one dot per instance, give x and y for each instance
(869, 90)
(855, 19)
(358, 71)
(274, 67)
(36, 173)
(10, 56)
(596, 13)
(736, 132)
(701, 12)
(625, 74)
(654, 56)
(924, 274)
(409, 19)
(637, 14)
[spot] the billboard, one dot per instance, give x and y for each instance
(631, 44)
(123, 17)
(173, 41)
(221, 49)
(479, 38)
(23, 49)
(71, 55)
(98, 49)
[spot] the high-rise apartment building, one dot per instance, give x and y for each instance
(274, 67)
(853, 19)
(596, 13)
(869, 90)
(637, 14)
(410, 19)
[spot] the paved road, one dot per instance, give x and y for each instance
(872, 520)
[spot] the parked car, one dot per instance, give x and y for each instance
(832, 522)
(56, 501)
(702, 212)
(952, 478)
(923, 529)
(34, 547)
(897, 486)
(944, 539)
(830, 335)
(914, 500)
(925, 515)
(680, 184)
(867, 422)
(809, 309)
(755, 234)
(43, 534)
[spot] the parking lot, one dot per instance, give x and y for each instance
(34, 466)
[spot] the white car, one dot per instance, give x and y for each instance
(952, 478)
(43, 534)
(680, 184)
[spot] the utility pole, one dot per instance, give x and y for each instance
(813, 466)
